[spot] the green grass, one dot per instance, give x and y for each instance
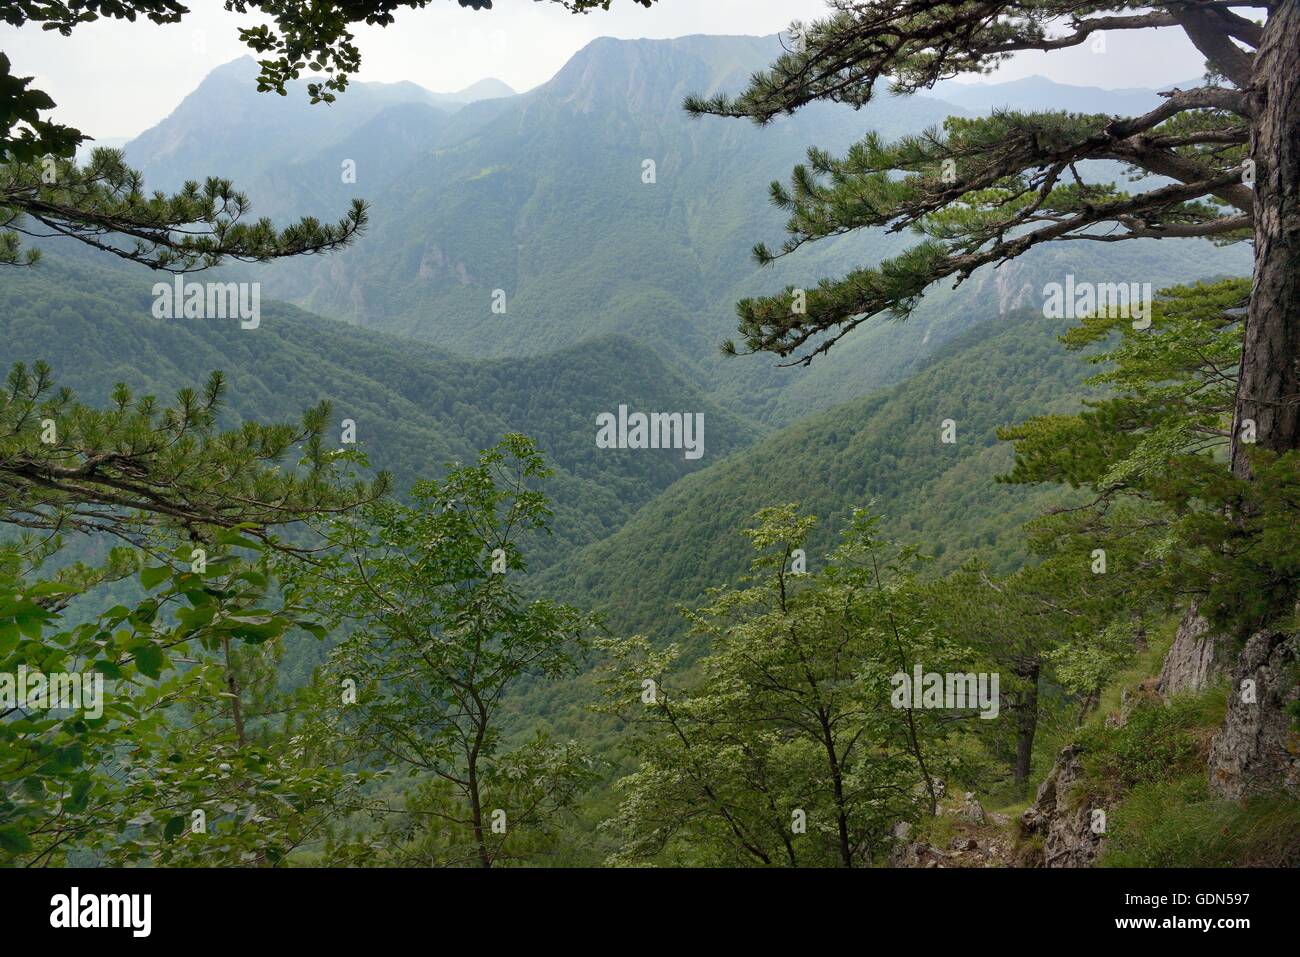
(1058, 726)
(1159, 742)
(1145, 665)
(1176, 823)
(1152, 774)
(941, 829)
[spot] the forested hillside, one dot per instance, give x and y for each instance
(415, 409)
(541, 196)
(800, 450)
(884, 453)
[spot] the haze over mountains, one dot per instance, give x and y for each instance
(416, 409)
(975, 588)
(229, 129)
(1040, 93)
(618, 291)
(540, 196)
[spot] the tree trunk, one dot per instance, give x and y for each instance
(1268, 391)
(1026, 718)
(476, 817)
(236, 703)
(837, 780)
(1089, 702)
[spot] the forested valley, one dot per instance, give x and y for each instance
(797, 450)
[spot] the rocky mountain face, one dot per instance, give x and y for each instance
(1068, 829)
(1258, 748)
(1198, 657)
(1255, 752)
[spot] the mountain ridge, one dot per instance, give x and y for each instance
(541, 196)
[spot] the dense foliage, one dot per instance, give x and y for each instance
(226, 641)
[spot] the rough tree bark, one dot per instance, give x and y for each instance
(1268, 391)
(1268, 387)
(1026, 670)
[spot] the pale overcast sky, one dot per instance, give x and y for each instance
(115, 79)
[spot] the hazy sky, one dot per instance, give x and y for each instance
(117, 79)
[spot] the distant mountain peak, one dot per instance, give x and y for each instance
(239, 65)
(1037, 81)
(655, 74)
(245, 68)
(488, 88)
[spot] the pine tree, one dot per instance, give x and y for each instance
(1153, 455)
(138, 465)
(984, 191)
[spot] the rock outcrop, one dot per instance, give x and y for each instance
(1197, 657)
(1258, 748)
(983, 839)
(970, 809)
(1071, 835)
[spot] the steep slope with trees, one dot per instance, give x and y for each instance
(414, 409)
(884, 453)
(988, 190)
(541, 196)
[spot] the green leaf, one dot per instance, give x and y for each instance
(48, 588)
(107, 668)
(255, 629)
(254, 578)
(30, 625)
(152, 577)
(14, 840)
(148, 658)
(9, 635)
(174, 827)
(80, 791)
(312, 627)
